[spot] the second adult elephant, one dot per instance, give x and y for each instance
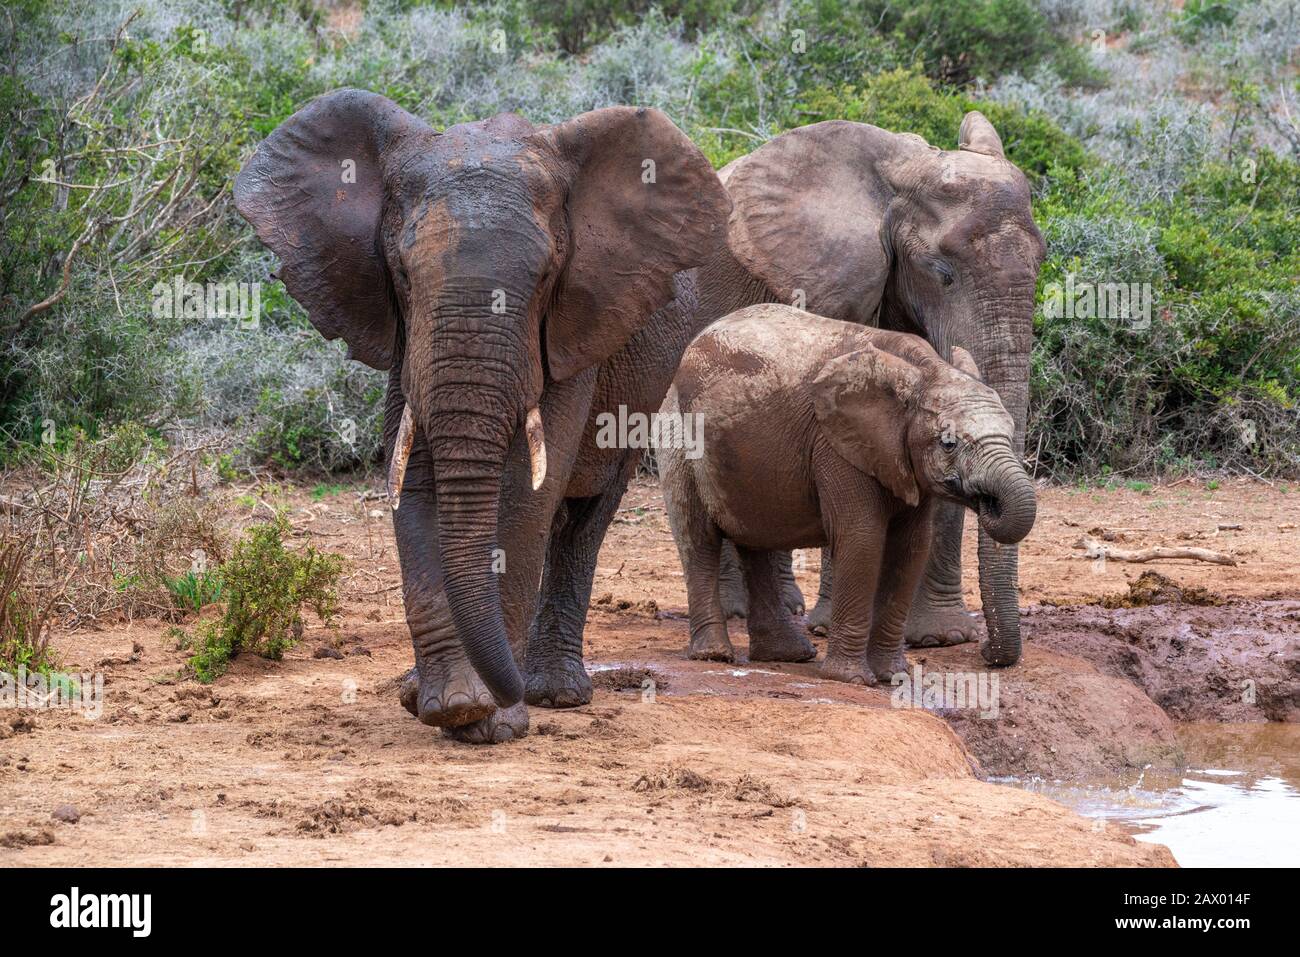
(859, 224)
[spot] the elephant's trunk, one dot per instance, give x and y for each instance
(999, 570)
(1003, 360)
(469, 453)
(464, 384)
(1006, 500)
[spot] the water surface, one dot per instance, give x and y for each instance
(1237, 804)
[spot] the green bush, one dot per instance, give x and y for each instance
(1215, 379)
(1126, 184)
(904, 100)
(577, 25)
(1204, 16)
(266, 587)
(962, 40)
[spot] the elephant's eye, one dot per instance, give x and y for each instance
(944, 272)
(948, 443)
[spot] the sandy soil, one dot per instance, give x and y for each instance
(312, 761)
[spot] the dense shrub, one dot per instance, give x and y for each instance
(25, 611)
(905, 101)
(1165, 155)
(104, 526)
(1215, 377)
(266, 587)
(962, 40)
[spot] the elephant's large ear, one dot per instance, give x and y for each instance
(977, 135)
(314, 191)
(806, 217)
(861, 400)
(643, 203)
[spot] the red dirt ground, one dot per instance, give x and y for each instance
(312, 761)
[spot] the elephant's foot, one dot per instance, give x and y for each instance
(456, 699)
(560, 684)
(711, 644)
(934, 623)
(886, 666)
(781, 641)
(852, 670)
(819, 619)
(502, 725)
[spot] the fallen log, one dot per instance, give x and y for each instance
(1095, 549)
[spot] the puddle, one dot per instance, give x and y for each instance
(1237, 805)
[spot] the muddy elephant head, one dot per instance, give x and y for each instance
(484, 261)
(863, 225)
(920, 425)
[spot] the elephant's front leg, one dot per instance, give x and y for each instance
(939, 615)
(554, 672)
(906, 549)
(855, 518)
(846, 648)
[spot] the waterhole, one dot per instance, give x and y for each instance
(1237, 804)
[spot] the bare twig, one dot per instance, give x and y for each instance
(1095, 549)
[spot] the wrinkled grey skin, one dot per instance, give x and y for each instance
(863, 225)
(501, 272)
(825, 433)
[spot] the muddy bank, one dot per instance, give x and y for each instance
(1235, 662)
(1058, 717)
(303, 764)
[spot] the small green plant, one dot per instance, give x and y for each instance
(324, 490)
(1212, 485)
(266, 587)
(226, 470)
(192, 590)
(1143, 487)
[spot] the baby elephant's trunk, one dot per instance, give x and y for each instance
(1007, 503)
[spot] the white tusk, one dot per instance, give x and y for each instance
(401, 455)
(536, 446)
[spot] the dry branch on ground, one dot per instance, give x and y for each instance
(1092, 548)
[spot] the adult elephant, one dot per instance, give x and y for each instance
(515, 281)
(856, 223)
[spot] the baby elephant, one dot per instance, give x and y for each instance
(825, 433)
